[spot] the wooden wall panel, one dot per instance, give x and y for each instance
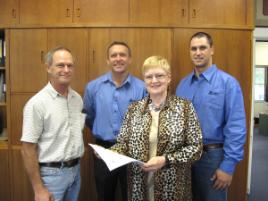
(5, 190)
(21, 189)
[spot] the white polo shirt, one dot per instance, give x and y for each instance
(55, 123)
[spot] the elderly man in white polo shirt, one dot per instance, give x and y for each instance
(52, 141)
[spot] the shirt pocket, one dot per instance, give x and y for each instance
(215, 99)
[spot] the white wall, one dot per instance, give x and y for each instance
(258, 34)
(261, 58)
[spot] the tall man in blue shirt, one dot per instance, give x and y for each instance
(218, 101)
(106, 100)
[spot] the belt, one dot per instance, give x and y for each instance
(105, 144)
(207, 147)
(70, 163)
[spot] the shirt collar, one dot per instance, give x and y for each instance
(108, 78)
(55, 94)
(207, 74)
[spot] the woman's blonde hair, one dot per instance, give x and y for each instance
(155, 62)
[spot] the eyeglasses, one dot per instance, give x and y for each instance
(159, 77)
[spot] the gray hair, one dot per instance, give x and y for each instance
(49, 56)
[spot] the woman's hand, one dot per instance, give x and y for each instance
(154, 164)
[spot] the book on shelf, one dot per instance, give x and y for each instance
(2, 87)
(1, 52)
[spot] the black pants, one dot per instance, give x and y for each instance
(106, 180)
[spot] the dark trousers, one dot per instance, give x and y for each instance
(106, 180)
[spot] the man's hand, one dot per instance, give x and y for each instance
(221, 180)
(154, 164)
(42, 194)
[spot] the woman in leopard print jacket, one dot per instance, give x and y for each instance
(162, 131)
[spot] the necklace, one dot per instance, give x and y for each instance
(155, 108)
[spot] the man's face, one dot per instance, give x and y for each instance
(62, 68)
(118, 58)
(201, 52)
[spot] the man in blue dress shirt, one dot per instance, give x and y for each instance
(106, 100)
(218, 101)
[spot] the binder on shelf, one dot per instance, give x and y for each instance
(2, 87)
(1, 52)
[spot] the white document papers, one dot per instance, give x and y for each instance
(112, 159)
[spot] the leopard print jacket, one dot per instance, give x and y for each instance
(179, 139)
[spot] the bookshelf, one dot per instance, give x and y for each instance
(3, 105)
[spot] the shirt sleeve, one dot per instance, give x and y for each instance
(235, 128)
(32, 122)
(89, 106)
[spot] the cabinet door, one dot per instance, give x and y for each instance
(232, 53)
(49, 12)
(228, 12)
(101, 11)
(27, 69)
(159, 12)
(5, 190)
(9, 12)
(144, 42)
(76, 41)
(21, 188)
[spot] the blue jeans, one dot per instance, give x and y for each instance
(202, 171)
(63, 183)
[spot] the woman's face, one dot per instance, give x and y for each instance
(156, 81)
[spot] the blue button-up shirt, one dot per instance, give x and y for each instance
(106, 104)
(218, 101)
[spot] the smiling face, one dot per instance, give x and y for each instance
(157, 81)
(118, 59)
(61, 69)
(201, 53)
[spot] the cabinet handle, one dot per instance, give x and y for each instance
(67, 12)
(78, 13)
(183, 12)
(93, 56)
(194, 13)
(42, 57)
(14, 13)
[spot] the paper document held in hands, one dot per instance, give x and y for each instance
(112, 159)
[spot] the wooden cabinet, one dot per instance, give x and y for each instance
(159, 12)
(176, 13)
(191, 12)
(144, 42)
(9, 12)
(27, 69)
(101, 11)
(49, 12)
(226, 12)
(76, 41)
(5, 190)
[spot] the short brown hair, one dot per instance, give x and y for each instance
(118, 43)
